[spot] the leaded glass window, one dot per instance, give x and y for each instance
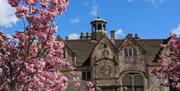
(127, 81)
(125, 52)
(138, 83)
(133, 82)
(135, 51)
(130, 52)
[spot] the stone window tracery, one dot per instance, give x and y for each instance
(133, 82)
(130, 51)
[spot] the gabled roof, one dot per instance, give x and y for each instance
(132, 39)
(82, 49)
(108, 40)
(58, 38)
(151, 46)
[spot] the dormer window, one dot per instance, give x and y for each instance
(130, 52)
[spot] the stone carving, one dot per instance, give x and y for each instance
(105, 53)
(104, 68)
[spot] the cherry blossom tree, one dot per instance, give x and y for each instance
(90, 86)
(32, 59)
(169, 63)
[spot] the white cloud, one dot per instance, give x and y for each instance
(130, 0)
(119, 33)
(73, 36)
(7, 16)
(74, 21)
(177, 30)
(93, 7)
(153, 2)
(94, 10)
(85, 3)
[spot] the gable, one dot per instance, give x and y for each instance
(104, 48)
(129, 41)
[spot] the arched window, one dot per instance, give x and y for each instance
(132, 82)
(138, 83)
(127, 82)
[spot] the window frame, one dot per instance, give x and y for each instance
(85, 75)
(130, 51)
(133, 86)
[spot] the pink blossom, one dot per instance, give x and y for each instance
(34, 59)
(170, 63)
(163, 45)
(178, 86)
(13, 3)
(90, 86)
(76, 84)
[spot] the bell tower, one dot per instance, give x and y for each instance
(98, 27)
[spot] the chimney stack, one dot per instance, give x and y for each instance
(88, 36)
(82, 36)
(130, 35)
(67, 37)
(136, 36)
(112, 34)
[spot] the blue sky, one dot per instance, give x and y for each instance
(147, 18)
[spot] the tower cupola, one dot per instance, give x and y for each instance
(98, 27)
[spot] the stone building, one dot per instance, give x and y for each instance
(114, 64)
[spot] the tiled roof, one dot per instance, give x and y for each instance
(152, 47)
(83, 48)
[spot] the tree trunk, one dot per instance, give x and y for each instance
(13, 87)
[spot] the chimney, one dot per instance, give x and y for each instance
(112, 34)
(130, 35)
(136, 36)
(87, 36)
(67, 37)
(82, 36)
